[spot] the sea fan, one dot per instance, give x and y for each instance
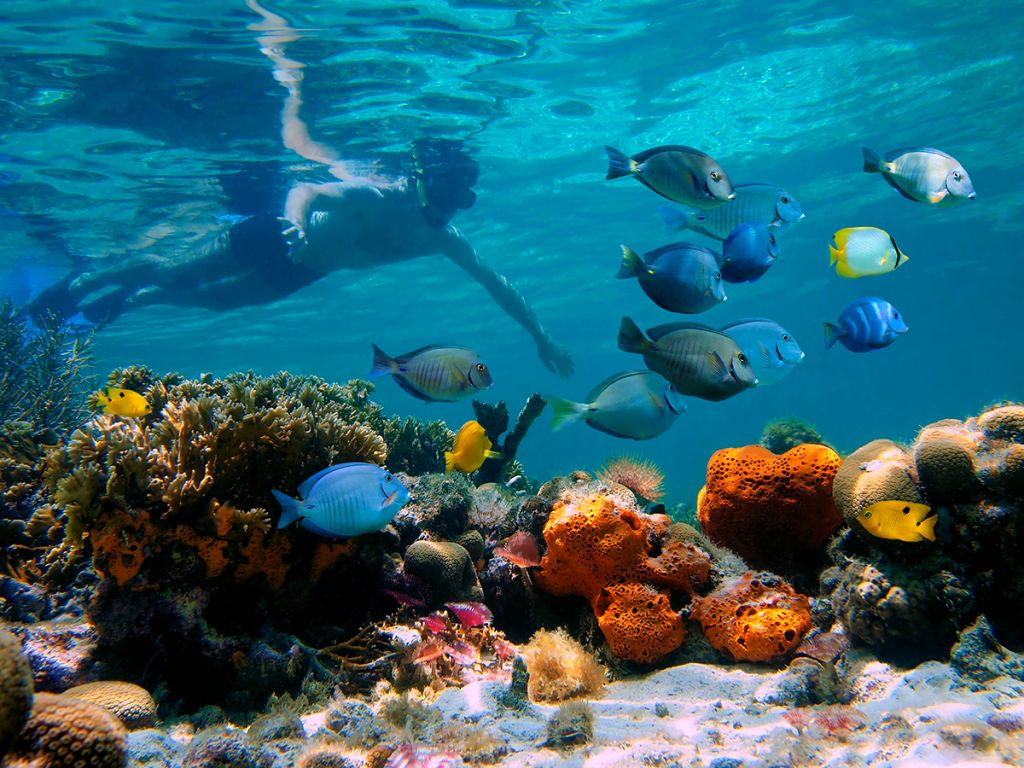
(641, 476)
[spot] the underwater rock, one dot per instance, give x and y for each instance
(447, 568)
(978, 658)
(275, 726)
(62, 726)
(61, 655)
(16, 691)
(354, 721)
(21, 602)
(773, 511)
(131, 704)
(152, 748)
(494, 420)
(571, 726)
(221, 746)
(323, 756)
(441, 504)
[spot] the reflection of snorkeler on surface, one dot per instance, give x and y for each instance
(356, 223)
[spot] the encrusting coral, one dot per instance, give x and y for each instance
(64, 731)
(15, 690)
(560, 668)
(773, 511)
(618, 559)
(757, 617)
(131, 704)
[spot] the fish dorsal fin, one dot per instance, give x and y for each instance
(890, 156)
(746, 320)
(429, 348)
(658, 331)
(597, 390)
(307, 485)
(646, 154)
(659, 252)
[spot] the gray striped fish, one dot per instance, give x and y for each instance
(344, 500)
(755, 203)
(698, 360)
(923, 174)
(437, 373)
(683, 174)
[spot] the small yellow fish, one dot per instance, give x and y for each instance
(471, 448)
(899, 520)
(123, 402)
(862, 251)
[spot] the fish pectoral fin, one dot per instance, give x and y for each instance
(937, 197)
(718, 366)
(494, 455)
(389, 500)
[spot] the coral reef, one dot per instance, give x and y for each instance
(494, 419)
(641, 476)
(67, 731)
(781, 435)
(131, 704)
(439, 504)
(776, 512)
(560, 668)
(446, 567)
(977, 657)
(757, 617)
(910, 600)
(571, 726)
(416, 447)
(16, 691)
(618, 560)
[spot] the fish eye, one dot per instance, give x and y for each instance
(957, 175)
(718, 275)
(784, 200)
(388, 478)
(481, 367)
(786, 337)
(867, 515)
(715, 176)
(895, 315)
(741, 357)
(771, 239)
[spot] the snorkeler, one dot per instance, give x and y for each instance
(355, 223)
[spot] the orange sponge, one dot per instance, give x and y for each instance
(768, 508)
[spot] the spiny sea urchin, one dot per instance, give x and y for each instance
(642, 476)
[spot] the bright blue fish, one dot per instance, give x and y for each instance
(770, 348)
(679, 277)
(637, 405)
(866, 324)
(344, 500)
(747, 253)
(756, 203)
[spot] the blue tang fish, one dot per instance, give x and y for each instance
(756, 203)
(770, 348)
(679, 277)
(747, 253)
(866, 324)
(344, 500)
(636, 405)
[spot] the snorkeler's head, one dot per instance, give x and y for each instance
(444, 174)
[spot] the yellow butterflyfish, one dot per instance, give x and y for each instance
(471, 448)
(862, 251)
(899, 520)
(123, 402)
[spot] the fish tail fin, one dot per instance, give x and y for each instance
(833, 333)
(291, 509)
(927, 527)
(619, 164)
(631, 338)
(872, 162)
(677, 219)
(631, 264)
(383, 363)
(566, 412)
(449, 462)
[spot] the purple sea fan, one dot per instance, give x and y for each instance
(471, 614)
(410, 756)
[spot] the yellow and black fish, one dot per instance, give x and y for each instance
(899, 520)
(123, 402)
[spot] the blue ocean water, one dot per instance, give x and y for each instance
(121, 122)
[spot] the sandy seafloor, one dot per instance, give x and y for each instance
(740, 717)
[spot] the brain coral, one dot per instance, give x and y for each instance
(64, 731)
(620, 561)
(447, 567)
(757, 617)
(770, 509)
(129, 703)
(16, 691)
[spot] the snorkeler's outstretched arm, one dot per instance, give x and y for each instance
(552, 354)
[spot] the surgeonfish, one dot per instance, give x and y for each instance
(636, 405)
(922, 174)
(747, 253)
(866, 324)
(471, 448)
(344, 500)
(770, 348)
(678, 277)
(862, 251)
(899, 520)
(698, 360)
(436, 373)
(756, 203)
(123, 402)
(682, 174)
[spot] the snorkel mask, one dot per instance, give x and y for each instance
(444, 176)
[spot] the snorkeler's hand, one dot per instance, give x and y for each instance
(292, 233)
(555, 357)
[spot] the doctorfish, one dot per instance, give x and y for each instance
(344, 500)
(679, 277)
(770, 348)
(755, 203)
(471, 448)
(123, 402)
(682, 174)
(436, 373)
(698, 360)
(922, 174)
(747, 253)
(866, 324)
(636, 405)
(862, 251)
(899, 520)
